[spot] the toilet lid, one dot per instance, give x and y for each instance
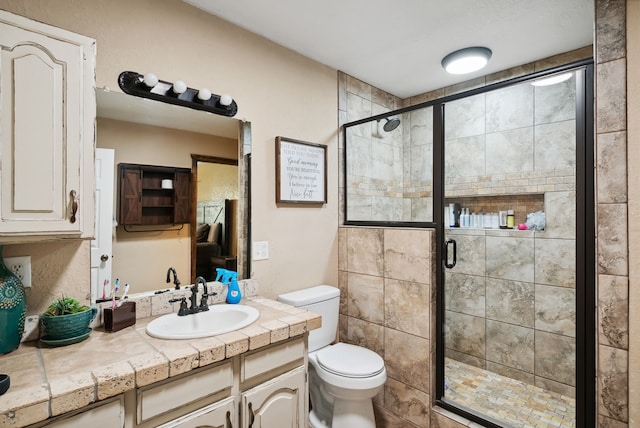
(350, 360)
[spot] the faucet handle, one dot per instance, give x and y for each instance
(204, 303)
(183, 305)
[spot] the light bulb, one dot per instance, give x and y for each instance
(466, 60)
(150, 80)
(226, 100)
(179, 86)
(204, 94)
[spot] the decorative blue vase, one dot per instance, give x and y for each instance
(13, 309)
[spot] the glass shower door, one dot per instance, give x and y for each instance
(509, 319)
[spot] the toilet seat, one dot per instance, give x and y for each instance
(350, 361)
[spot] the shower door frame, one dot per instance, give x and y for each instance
(585, 371)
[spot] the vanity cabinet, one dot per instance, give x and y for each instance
(47, 131)
(262, 388)
(153, 195)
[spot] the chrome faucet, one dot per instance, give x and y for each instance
(176, 281)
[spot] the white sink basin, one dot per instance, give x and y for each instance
(221, 318)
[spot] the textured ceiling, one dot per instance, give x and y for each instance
(397, 45)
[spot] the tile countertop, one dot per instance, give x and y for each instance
(50, 381)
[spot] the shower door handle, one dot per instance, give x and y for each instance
(446, 253)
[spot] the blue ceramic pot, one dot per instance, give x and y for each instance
(13, 309)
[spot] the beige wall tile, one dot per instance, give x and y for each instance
(407, 254)
(407, 403)
(610, 30)
(612, 239)
(409, 361)
(613, 311)
(365, 251)
(366, 297)
(612, 167)
(612, 383)
(406, 307)
(611, 106)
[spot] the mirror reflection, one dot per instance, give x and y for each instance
(146, 132)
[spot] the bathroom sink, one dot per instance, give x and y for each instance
(221, 318)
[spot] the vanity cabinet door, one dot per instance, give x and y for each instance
(107, 415)
(276, 403)
(47, 131)
(216, 415)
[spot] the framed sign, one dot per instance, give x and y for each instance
(301, 172)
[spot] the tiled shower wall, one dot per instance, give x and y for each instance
(612, 256)
(386, 283)
(390, 173)
(611, 222)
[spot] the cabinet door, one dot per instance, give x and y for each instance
(47, 120)
(276, 403)
(182, 189)
(216, 415)
(130, 208)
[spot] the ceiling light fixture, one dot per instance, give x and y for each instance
(547, 81)
(466, 60)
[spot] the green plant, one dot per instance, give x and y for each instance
(65, 306)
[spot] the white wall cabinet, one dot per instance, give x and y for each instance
(47, 131)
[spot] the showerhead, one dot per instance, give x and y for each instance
(391, 124)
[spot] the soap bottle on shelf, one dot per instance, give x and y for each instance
(510, 219)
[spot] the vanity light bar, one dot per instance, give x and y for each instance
(149, 86)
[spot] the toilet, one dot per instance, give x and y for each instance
(343, 378)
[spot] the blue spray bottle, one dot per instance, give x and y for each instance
(230, 278)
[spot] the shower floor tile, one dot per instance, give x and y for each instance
(513, 402)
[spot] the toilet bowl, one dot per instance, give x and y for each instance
(343, 378)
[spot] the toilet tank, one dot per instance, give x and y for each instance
(323, 300)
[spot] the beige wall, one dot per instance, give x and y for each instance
(217, 181)
(277, 90)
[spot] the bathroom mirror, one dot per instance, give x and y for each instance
(148, 132)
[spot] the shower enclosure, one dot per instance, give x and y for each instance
(514, 326)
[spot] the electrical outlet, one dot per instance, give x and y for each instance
(21, 267)
(261, 250)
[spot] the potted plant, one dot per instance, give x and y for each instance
(66, 319)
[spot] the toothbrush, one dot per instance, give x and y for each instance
(104, 289)
(126, 289)
(116, 285)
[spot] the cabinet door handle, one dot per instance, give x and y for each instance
(74, 206)
(252, 417)
(229, 424)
